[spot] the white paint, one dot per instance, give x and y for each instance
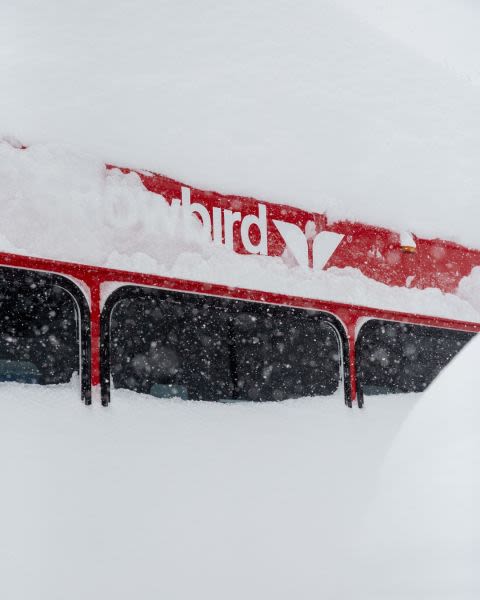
(324, 246)
(190, 209)
(295, 240)
(261, 247)
(217, 226)
(230, 218)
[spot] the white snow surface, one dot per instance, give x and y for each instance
(421, 533)
(61, 204)
(306, 498)
(172, 499)
(442, 31)
(368, 110)
(469, 288)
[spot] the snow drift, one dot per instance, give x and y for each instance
(421, 536)
(170, 498)
(61, 204)
(307, 103)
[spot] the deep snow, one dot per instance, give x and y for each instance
(420, 536)
(442, 31)
(306, 498)
(62, 204)
(367, 110)
(316, 102)
(168, 499)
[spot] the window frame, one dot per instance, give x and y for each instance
(13, 274)
(133, 291)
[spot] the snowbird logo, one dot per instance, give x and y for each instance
(324, 244)
(220, 227)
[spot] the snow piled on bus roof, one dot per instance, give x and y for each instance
(67, 206)
(328, 105)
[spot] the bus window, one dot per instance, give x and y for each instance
(170, 349)
(284, 356)
(395, 357)
(39, 330)
(199, 348)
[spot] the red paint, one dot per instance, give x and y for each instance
(94, 284)
(92, 277)
(351, 332)
(373, 250)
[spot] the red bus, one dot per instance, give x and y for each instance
(170, 337)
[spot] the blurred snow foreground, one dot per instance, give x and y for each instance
(421, 535)
(301, 499)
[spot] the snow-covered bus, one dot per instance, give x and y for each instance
(194, 339)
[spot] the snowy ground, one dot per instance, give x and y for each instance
(163, 498)
(421, 535)
(166, 498)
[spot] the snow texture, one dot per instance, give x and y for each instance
(421, 533)
(368, 110)
(469, 288)
(169, 499)
(306, 498)
(64, 205)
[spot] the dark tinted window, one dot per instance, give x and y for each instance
(39, 339)
(284, 356)
(169, 349)
(220, 350)
(399, 357)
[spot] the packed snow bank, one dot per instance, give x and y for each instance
(421, 538)
(304, 103)
(169, 498)
(469, 288)
(159, 498)
(60, 204)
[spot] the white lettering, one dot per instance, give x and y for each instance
(217, 226)
(324, 245)
(296, 241)
(229, 219)
(196, 208)
(261, 222)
